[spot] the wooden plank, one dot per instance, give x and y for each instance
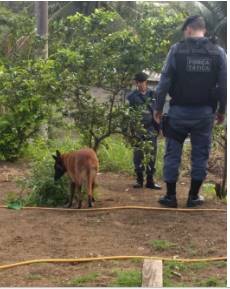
(152, 273)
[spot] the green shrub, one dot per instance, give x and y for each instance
(43, 189)
(25, 92)
(40, 183)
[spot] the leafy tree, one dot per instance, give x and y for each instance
(100, 50)
(25, 94)
(215, 14)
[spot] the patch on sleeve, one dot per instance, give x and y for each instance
(198, 64)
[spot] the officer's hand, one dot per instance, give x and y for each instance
(157, 116)
(220, 118)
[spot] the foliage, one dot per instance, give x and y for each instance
(40, 183)
(17, 37)
(220, 142)
(25, 94)
(85, 51)
(215, 14)
(102, 51)
(116, 156)
(44, 191)
(209, 190)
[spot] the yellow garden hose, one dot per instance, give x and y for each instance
(82, 260)
(122, 208)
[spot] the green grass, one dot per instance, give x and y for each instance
(198, 265)
(160, 158)
(208, 191)
(221, 264)
(162, 245)
(131, 278)
(84, 279)
(116, 156)
(212, 282)
(33, 277)
(191, 271)
(136, 261)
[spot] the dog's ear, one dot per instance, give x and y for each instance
(58, 154)
(54, 157)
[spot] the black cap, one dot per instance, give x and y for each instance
(141, 76)
(190, 20)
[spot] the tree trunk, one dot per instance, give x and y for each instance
(41, 9)
(41, 12)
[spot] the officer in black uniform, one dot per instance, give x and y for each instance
(144, 97)
(194, 75)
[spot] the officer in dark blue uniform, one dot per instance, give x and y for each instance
(194, 75)
(144, 98)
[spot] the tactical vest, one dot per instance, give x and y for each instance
(195, 78)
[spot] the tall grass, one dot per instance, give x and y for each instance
(116, 156)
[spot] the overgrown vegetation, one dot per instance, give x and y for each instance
(39, 188)
(97, 50)
(102, 48)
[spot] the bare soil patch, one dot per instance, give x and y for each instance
(28, 234)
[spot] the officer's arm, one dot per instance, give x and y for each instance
(166, 79)
(222, 82)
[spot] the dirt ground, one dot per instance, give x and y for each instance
(28, 234)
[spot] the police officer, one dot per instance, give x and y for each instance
(144, 97)
(194, 75)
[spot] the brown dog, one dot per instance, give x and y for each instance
(82, 167)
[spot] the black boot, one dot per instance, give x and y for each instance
(140, 181)
(194, 199)
(150, 184)
(169, 200)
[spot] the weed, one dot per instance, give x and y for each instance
(212, 282)
(221, 264)
(130, 278)
(198, 265)
(209, 191)
(115, 156)
(169, 279)
(84, 279)
(34, 277)
(161, 245)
